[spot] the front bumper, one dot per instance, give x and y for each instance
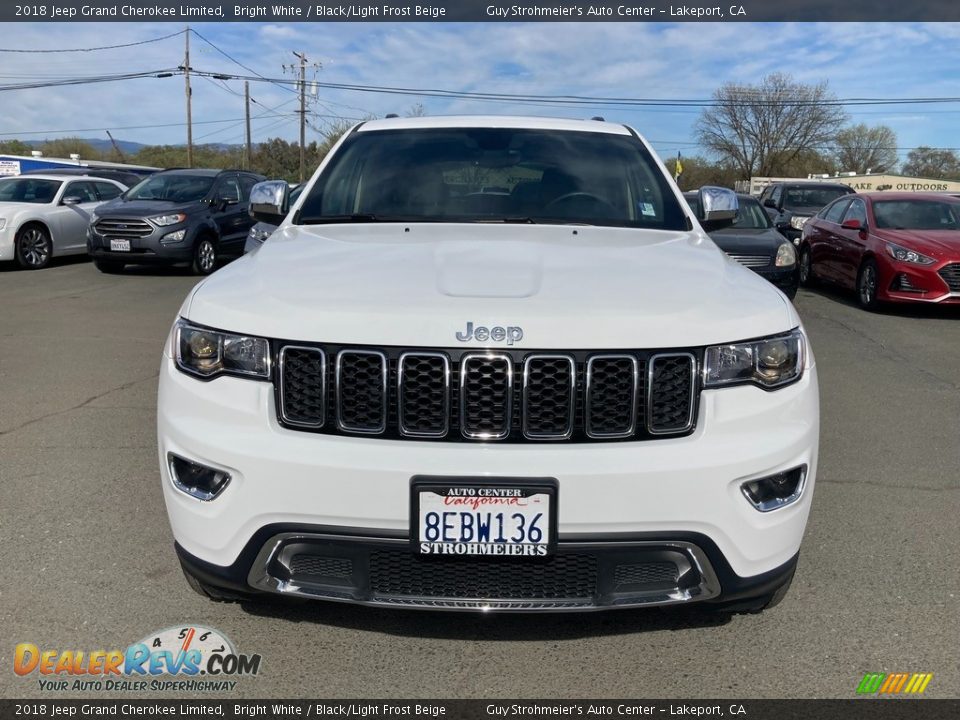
(680, 489)
(145, 250)
(786, 279)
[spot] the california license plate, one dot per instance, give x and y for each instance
(119, 245)
(506, 518)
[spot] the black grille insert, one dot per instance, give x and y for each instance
(423, 387)
(362, 391)
(951, 276)
(320, 566)
(302, 386)
(648, 573)
(486, 396)
(670, 409)
(401, 573)
(549, 396)
(611, 395)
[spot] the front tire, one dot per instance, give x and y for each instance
(33, 247)
(867, 282)
(807, 278)
(205, 256)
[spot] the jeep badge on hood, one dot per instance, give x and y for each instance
(511, 334)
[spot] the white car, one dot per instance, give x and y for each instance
(42, 216)
(558, 394)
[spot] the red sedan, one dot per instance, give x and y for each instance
(889, 247)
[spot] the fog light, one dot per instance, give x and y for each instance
(199, 481)
(775, 491)
(173, 237)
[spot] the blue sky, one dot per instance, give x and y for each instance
(687, 60)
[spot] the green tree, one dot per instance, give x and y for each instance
(928, 162)
(65, 147)
(15, 147)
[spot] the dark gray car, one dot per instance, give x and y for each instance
(192, 217)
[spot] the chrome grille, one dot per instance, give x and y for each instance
(124, 228)
(457, 395)
(752, 261)
(362, 391)
(951, 276)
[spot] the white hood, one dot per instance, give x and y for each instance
(570, 287)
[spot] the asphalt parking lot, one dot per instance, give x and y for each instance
(89, 564)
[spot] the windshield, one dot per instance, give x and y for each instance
(28, 190)
(491, 175)
(172, 187)
(812, 197)
(916, 215)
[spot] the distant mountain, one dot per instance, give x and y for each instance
(101, 145)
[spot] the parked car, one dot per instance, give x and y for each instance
(791, 204)
(261, 231)
(889, 247)
(193, 217)
(42, 216)
(124, 177)
(418, 394)
(753, 241)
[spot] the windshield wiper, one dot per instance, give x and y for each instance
(516, 220)
(355, 217)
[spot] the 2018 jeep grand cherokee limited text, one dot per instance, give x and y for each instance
(489, 363)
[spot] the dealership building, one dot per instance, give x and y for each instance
(864, 183)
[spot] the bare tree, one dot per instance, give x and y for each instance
(762, 129)
(928, 162)
(861, 148)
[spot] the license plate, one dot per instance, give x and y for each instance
(489, 518)
(119, 245)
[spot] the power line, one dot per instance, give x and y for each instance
(232, 59)
(125, 127)
(94, 49)
(89, 80)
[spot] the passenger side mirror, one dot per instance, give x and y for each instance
(71, 200)
(270, 201)
(770, 203)
(853, 224)
(718, 207)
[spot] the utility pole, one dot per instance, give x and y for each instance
(247, 155)
(186, 79)
(116, 147)
(303, 112)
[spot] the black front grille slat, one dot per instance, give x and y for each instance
(361, 381)
(611, 395)
(951, 276)
(457, 395)
(486, 396)
(670, 388)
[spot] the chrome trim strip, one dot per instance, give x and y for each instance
(778, 503)
(571, 411)
(186, 489)
(323, 387)
(446, 395)
(587, 399)
(508, 414)
(708, 588)
(383, 374)
(651, 364)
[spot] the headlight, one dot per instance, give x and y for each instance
(798, 221)
(908, 256)
(786, 255)
(769, 363)
(258, 235)
(164, 220)
(207, 353)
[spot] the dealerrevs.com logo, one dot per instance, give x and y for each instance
(187, 658)
(894, 683)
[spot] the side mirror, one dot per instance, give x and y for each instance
(270, 201)
(770, 203)
(718, 207)
(71, 200)
(852, 224)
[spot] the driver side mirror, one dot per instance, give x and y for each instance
(72, 200)
(718, 207)
(770, 203)
(853, 224)
(270, 201)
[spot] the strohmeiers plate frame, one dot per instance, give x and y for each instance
(547, 485)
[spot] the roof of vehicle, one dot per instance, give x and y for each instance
(885, 195)
(61, 178)
(812, 183)
(494, 121)
(200, 172)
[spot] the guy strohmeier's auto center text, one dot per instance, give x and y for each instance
(401, 11)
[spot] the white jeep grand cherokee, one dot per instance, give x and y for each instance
(489, 363)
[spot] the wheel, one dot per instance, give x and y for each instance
(807, 277)
(109, 266)
(33, 247)
(867, 285)
(205, 256)
(209, 591)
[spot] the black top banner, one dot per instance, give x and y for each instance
(483, 11)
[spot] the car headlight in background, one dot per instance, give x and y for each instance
(798, 221)
(786, 256)
(906, 255)
(768, 363)
(208, 353)
(164, 220)
(258, 235)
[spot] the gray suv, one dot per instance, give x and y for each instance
(191, 217)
